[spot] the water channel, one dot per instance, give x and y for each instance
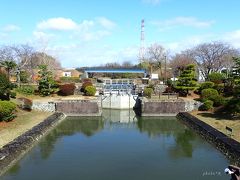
(120, 146)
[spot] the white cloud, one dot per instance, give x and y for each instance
(89, 54)
(181, 21)
(106, 23)
(42, 35)
(233, 38)
(87, 30)
(11, 28)
(58, 23)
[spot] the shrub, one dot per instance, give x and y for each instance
(67, 89)
(208, 93)
(7, 109)
(90, 90)
(169, 89)
(5, 86)
(147, 92)
(25, 103)
(219, 88)
(207, 105)
(70, 79)
(85, 84)
(215, 77)
(236, 91)
(13, 94)
(24, 76)
(233, 106)
(218, 100)
(26, 90)
(151, 86)
(206, 85)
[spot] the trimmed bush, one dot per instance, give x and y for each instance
(90, 91)
(206, 85)
(217, 100)
(25, 104)
(70, 79)
(147, 92)
(7, 109)
(85, 84)
(26, 90)
(215, 77)
(208, 93)
(207, 105)
(13, 94)
(67, 89)
(233, 106)
(219, 88)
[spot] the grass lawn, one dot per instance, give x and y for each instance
(220, 121)
(24, 121)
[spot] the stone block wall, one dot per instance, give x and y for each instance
(228, 146)
(79, 107)
(44, 106)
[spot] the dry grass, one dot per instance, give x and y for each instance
(55, 97)
(23, 122)
(220, 121)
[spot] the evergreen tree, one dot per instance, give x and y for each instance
(47, 85)
(8, 65)
(187, 80)
(5, 87)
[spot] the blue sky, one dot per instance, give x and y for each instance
(94, 32)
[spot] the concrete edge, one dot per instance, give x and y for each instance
(16, 149)
(225, 144)
(158, 115)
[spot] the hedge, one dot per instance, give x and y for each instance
(67, 89)
(90, 91)
(7, 109)
(148, 92)
(207, 105)
(26, 90)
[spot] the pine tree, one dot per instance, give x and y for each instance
(47, 85)
(187, 80)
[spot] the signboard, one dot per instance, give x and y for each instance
(154, 76)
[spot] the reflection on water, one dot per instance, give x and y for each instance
(120, 146)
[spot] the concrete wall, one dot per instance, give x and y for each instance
(79, 108)
(170, 107)
(118, 101)
(162, 108)
(228, 146)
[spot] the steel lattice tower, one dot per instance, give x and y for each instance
(142, 45)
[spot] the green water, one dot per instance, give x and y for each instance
(119, 146)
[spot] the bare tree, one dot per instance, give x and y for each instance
(212, 57)
(41, 58)
(180, 61)
(156, 55)
(127, 64)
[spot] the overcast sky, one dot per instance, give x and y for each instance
(94, 32)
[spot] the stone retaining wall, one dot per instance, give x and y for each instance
(228, 146)
(44, 106)
(169, 107)
(164, 107)
(14, 150)
(79, 108)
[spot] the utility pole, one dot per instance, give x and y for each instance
(165, 69)
(142, 40)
